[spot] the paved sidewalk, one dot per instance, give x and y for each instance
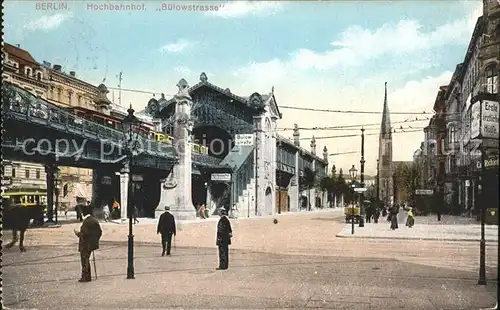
(297, 263)
(451, 228)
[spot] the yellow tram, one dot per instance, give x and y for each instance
(352, 213)
(26, 197)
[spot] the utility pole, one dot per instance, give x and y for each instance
(120, 88)
(362, 195)
(256, 169)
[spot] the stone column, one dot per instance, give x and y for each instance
(312, 191)
(183, 208)
(124, 186)
(209, 195)
(50, 178)
(293, 190)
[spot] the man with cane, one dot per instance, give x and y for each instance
(88, 241)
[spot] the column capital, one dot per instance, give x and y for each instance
(126, 166)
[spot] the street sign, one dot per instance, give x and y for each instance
(244, 140)
(424, 192)
(222, 177)
(137, 178)
(360, 189)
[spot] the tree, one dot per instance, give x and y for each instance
(409, 177)
(308, 181)
(327, 184)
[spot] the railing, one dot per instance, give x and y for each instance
(205, 159)
(22, 105)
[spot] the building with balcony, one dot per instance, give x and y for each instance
(22, 70)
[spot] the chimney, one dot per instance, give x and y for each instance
(296, 135)
(72, 73)
(47, 64)
(313, 145)
(325, 154)
(57, 68)
(18, 45)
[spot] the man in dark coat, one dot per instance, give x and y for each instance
(224, 235)
(89, 235)
(166, 227)
(394, 210)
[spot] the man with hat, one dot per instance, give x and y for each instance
(88, 236)
(224, 235)
(166, 227)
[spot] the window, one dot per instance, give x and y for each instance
(38, 173)
(39, 76)
(28, 71)
(27, 173)
(492, 79)
(59, 92)
(13, 172)
(69, 96)
(79, 100)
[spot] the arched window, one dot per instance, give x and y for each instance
(39, 76)
(492, 79)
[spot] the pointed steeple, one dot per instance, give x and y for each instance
(385, 129)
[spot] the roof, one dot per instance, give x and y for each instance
(237, 156)
(478, 30)
(282, 139)
(440, 98)
(255, 101)
(19, 53)
(385, 125)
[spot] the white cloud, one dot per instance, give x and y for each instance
(184, 71)
(236, 9)
(176, 47)
(48, 22)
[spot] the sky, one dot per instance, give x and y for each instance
(333, 55)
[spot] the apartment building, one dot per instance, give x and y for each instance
(22, 70)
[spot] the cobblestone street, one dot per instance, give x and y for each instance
(298, 263)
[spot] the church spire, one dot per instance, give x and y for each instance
(385, 130)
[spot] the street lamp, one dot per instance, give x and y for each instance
(130, 128)
(362, 177)
(353, 173)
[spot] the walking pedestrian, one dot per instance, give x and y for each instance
(224, 235)
(166, 227)
(134, 214)
(410, 220)
(88, 241)
(393, 213)
(105, 211)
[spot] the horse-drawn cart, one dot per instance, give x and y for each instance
(352, 213)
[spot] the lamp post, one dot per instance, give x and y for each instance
(352, 172)
(378, 182)
(362, 177)
(130, 127)
(482, 242)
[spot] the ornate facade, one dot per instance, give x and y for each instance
(22, 70)
(261, 178)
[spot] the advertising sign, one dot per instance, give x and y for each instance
(475, 120)
(424, 192)
(222, 177)
(489, 121)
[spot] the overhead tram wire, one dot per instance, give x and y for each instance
(354, 126)
(357, 135)
(286, 107)
(350, 112)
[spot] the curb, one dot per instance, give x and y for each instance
(413, 238)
